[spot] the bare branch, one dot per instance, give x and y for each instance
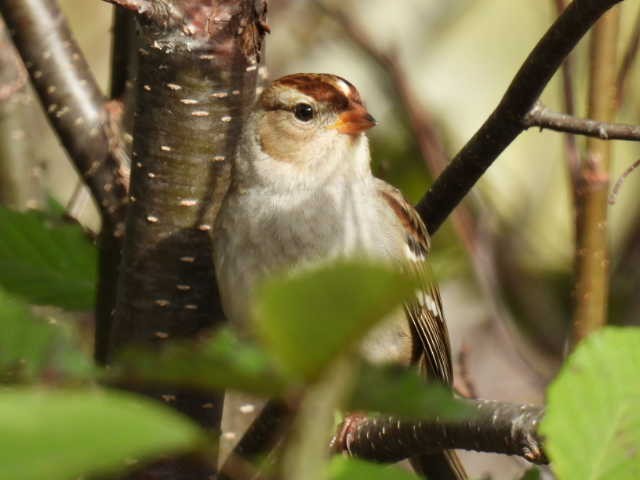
(542, 117)
(591, 295)
(496, 427)
(616, 188)
(568, 91)
(505, 123)
(71, 98)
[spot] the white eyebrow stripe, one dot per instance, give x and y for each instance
(343, 86)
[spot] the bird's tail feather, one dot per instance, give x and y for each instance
(440, 466)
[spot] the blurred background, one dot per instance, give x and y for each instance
(507, 284)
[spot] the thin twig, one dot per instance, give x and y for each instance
(568, 91)
(8, 55)
(505, 123)
(541, 117)
(465, 387)
(616, 188)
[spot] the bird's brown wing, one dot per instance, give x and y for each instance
(431, 348)
(432, 352)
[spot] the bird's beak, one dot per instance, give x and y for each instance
(354, 121)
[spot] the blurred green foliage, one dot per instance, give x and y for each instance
(32, 347)
(305, 320)
(46, 260)
(350, 469)
(412, 398)
(216, 363)
(532, 474)
(62, 434)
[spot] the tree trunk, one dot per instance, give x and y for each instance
(197, 76)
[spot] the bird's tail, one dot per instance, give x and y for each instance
(440, 466)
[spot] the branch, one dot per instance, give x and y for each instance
(592, 244)
(72, 100)
(123, 72)
(568, 91)
(496, 427)
(540, 116)
(505, 123)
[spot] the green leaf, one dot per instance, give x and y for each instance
(342, 468)
(217, 363)
(30, 345)
(46, 261)
(60, 435)
(592, 423)
(402, 392)
(306, 318)
(532, 474)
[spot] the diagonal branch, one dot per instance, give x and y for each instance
(505, 123)
(540, 116)
(72, 100)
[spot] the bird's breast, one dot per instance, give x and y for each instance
(259, 234)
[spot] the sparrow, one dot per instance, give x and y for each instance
(303, 193)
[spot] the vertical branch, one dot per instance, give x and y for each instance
(19, 170)
(197, 76)
(592, 256)
(123, 72)
(568, 91)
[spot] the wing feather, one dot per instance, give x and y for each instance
(432, 351)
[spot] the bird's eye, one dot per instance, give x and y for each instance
(303, 111)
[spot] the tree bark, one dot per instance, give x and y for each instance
(198, 66)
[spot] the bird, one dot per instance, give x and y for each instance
(302, 192)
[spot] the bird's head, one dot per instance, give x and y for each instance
(313, 123)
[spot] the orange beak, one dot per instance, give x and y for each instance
(354, 121)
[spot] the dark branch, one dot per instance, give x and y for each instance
(72, 100)
(542, 117)
(496, 427)
(506, 121)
